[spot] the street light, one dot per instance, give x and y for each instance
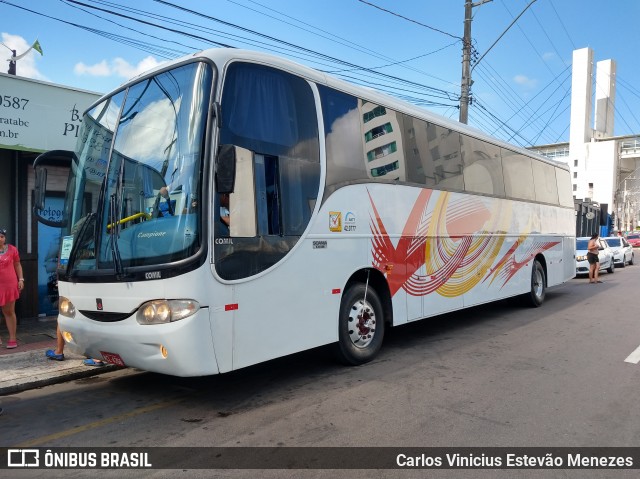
(12, 61)
(14, 56)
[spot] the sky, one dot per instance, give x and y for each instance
(411, 49)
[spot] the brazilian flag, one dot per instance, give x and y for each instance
(36, 46)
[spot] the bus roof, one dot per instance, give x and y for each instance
(223, 56)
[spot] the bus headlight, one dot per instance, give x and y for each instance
(66, 307)
(161, 311)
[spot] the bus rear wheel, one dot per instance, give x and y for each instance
(361, 325)
(536, 295)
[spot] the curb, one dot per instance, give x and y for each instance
(85, 372)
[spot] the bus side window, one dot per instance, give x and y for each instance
(243, 201)
(482, 167)
(518, 175)
(267, 195)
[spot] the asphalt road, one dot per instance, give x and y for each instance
(497, 375)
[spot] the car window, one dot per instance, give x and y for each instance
(582, 244)
(624, 242)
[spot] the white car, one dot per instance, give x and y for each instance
(621, 249)
(604, 255)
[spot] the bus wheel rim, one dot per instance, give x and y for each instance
(537, 284)
(361, 324)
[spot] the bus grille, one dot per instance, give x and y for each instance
(104, 316)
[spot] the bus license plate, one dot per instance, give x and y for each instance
(113, 358)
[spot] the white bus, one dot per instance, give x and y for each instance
(346, 212)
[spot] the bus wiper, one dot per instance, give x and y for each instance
(115, 206)
(78, 244)
(115, 233)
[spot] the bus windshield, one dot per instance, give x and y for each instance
(134, 186)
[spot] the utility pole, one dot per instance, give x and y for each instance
(466, 63)
(465, 93)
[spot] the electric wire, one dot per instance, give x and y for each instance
(343, 41)
(510, 99)
(411, 20)
(137, 44)
(304, 49)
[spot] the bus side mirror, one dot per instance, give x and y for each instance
(57, 157)
(40, 188)
(226, 169)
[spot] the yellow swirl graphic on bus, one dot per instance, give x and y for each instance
(450, 243)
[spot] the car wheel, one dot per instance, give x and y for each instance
(631, 260)
(612, 267)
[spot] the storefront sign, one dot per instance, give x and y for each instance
(39, 116)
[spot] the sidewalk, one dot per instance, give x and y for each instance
(27, 367)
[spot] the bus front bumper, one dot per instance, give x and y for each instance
(180, 348)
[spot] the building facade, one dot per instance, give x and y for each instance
(35, 116)
(604, 168)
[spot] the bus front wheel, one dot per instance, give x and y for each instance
(536, 295)
(361, 325)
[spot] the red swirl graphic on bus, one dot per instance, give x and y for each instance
(449, 244)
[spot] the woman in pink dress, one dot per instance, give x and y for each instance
(11, 283)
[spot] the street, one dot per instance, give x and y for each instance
(496, 375)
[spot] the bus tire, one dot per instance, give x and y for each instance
(538, 290)
(360, 325)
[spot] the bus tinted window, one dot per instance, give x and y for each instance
(268, 111)
(563, 179)
(420, 163)
(344, 147)
(384, 153)
(269, 117)
(482, 167)
(518, 176)
(544, 181)
(444, 145)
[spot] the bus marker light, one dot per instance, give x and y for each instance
(231, 307)
(335, 291)
(164, 351)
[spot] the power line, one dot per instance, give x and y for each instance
(138, 44)
(341, 40)
(322, 55)
(438, 92)
(399, 62)
(512, 100)
(411, 20)
(182, 52)
(535, 115)
(562, 24)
